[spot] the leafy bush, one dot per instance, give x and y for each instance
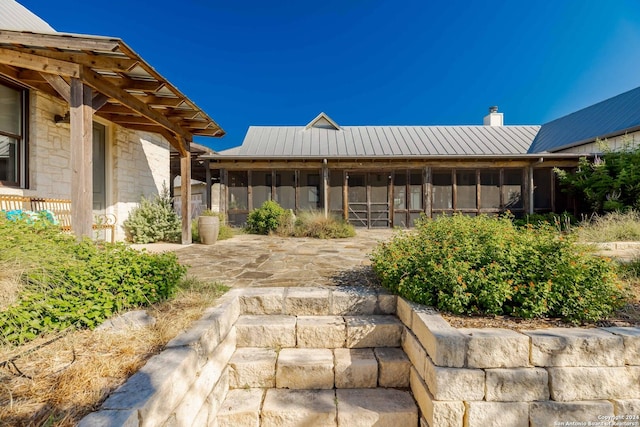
(265, 219)
(154, 220)
(485, 265)
(612, 227)
(608, 183)
(69, 284)
(314, 224)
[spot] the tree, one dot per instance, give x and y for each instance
(610, 182)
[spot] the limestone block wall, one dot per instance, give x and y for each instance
(182, 386)
(49, 149)
(140, 168)
(458, 377)
(499, 377)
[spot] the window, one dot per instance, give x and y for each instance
(309, 190)
(466, 189)
(13, 146)
(490, 189)
(442, 190)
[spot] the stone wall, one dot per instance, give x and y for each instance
(458, 377)
(499, 377)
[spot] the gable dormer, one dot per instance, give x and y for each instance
(322, 121)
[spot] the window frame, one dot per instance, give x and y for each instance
(22, 172)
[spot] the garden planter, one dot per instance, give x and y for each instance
(208, 227)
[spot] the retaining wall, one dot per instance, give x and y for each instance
(499, 377)
(459, 377)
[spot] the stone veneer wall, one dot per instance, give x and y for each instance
(499, 377)
(459, 377)
(137, 162)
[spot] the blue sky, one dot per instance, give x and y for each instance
(375, 62)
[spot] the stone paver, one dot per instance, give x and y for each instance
(241, 408)
(247, 260)
(253, 367)
(299, 408)
(355, 368)
(373, 331)
(321, 331)
(266, 331)
(305, 368)
(380, 407)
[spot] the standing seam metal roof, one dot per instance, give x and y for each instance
(611, 116)
(383, 141)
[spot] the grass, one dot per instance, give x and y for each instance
(314, 224)
(612, 227)
(70, 377)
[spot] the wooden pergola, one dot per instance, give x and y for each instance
(102, 76)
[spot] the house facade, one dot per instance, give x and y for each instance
(85, 118)
(386, 176)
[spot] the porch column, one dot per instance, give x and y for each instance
(185, 196)
(207, 173)
(81, 121)
(325, 188)
(530, 188)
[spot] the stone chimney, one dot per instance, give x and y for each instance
(493, 118)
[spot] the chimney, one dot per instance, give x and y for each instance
(493, 118)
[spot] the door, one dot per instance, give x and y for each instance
(368, 199)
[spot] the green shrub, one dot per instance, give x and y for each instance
(468, 265)
(314, 224)
(154, 220)
(608, 183)
(265, 219)
(69, 284)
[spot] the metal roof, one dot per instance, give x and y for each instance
(14, 16)
(608, 118)
(382, 141)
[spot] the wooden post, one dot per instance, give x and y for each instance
(345, 196)
(530, 188)
(325, 188)
(185, 193)
(81, 121)
(207, 174)
(426, 177)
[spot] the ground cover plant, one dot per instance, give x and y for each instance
(483, 265)
(54, 368)
(62, 283)
(272, 218)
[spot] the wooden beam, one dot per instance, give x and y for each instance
(81, 159)
(59, 41)
(102, 62)
(101, 85)
(174, 141)
(10, 72)
(185, 195)
(99, 101)
(116, 109)
(60, 85)
(161, 101)
(39, 63)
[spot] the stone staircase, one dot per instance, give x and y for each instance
(318, 370)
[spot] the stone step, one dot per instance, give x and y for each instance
(310, 368)
(241, 408)
(282, 331)
(368, 407)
